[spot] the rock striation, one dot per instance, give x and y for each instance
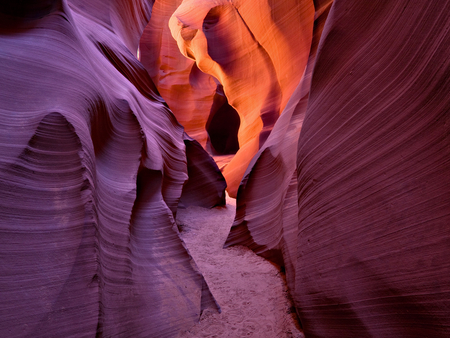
(367, 253)
(373, 174)
(92, 167)
(266, 205)
(339, 116)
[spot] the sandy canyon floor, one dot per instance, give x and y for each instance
(249, 289)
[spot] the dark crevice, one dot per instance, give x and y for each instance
(223, 125)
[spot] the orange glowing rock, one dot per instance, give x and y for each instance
(266, 205)
(188, 91)
(257, 51)
(356, 205)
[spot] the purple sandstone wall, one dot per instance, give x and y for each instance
(92, 166)
(367, 253)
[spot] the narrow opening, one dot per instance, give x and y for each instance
(222, 126)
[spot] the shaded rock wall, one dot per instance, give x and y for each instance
(350, 191)
(92, 166)
(373, 174)
(366, 254)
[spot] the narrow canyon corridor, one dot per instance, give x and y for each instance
(249, 289)
(139, 138)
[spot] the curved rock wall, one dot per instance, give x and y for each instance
(350, 191)
(256, 51)
(188, 91)
(92, 166)
(373, 174)
(266, 205)
(366, 255)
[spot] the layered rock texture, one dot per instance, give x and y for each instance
(367, 254)
(339, 115)
(92, 168)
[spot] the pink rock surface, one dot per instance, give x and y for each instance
(257, 51)
(350, 191)
(373, 174)
(266, 205)
(205, 186)
(369, 254)
(92, 166)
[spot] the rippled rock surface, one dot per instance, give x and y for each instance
(349, 188)
(92, 167)
(367, 255)
(373, 174)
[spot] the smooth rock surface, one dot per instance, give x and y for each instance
(257, 51)
(266, 211)
(349, 189)
(188, 91)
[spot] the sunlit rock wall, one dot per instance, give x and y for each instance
(368, 253)
(266, 206)
(188, 91)
(92, 167)
(257, 51)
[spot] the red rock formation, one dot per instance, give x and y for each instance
(92, 166)
(93, 163)
(371, 246)
(266, 206)
(256, 51)
(188, 91)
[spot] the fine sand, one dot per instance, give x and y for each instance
(249, 289)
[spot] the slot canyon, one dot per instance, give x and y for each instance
(224, 168)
